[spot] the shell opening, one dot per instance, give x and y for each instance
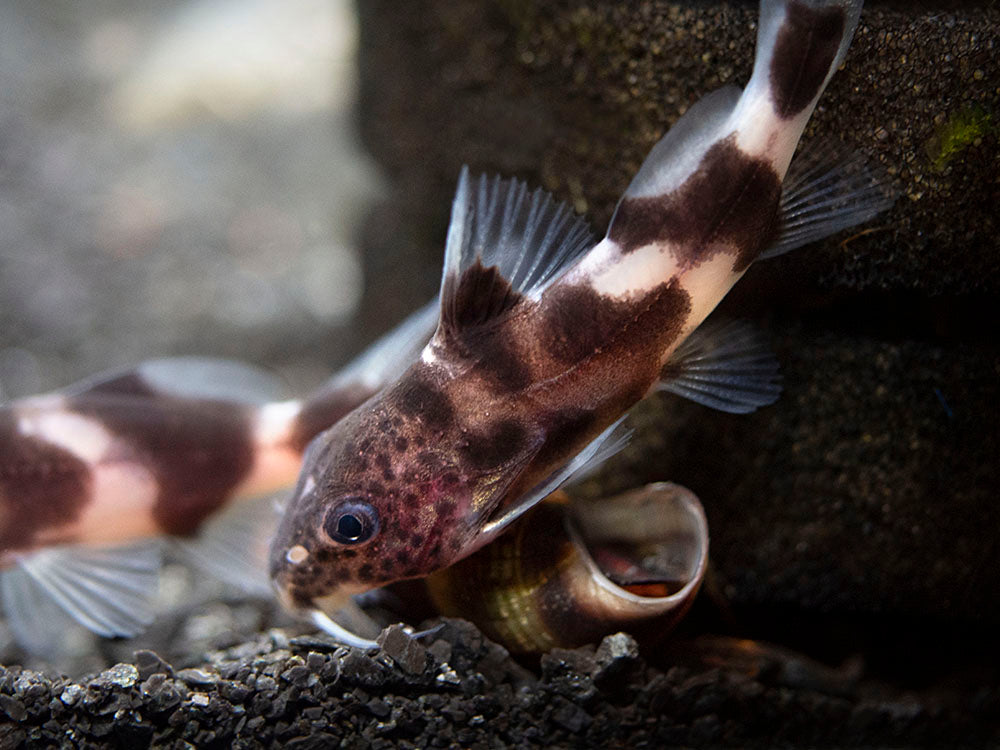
(647, 548)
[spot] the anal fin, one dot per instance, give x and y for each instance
(725, 365)
(108, 590)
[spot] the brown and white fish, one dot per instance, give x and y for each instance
(546, 337)
(94, 477)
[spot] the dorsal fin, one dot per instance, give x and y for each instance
(504, 242)
(680, 151)
(187, 377)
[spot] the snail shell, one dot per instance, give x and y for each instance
(570, 572)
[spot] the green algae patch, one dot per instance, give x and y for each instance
(964, 128)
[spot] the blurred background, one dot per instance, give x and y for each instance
(177, 178)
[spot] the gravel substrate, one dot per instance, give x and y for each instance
(458, 690)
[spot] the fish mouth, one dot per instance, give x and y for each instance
(322, 610)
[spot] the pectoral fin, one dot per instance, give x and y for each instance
(108, 590)
(605, 445)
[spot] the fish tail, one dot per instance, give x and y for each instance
(800, 43)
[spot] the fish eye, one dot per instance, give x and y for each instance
(352, 521)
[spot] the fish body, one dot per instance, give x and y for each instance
(94, 477)
(546, 336)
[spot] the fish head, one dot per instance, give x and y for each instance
(379, 499)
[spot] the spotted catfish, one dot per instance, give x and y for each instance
(547, 336)
(92, 478)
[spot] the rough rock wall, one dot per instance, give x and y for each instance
(858, 513)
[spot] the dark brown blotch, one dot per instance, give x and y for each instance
(419, 399)
(42, 486)
(199, 451)
(444, 507)
(475, 324)
(562, 433)
(383, 463)
(806, 46)
(498, 358)
(496, 446)
(579, 322)
(730, 201)
(479, 295)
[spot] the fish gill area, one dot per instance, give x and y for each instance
(852, 597)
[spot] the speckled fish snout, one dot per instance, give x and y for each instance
(375, 509)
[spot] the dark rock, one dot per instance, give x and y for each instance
(569, 715)
(378, 707)
(569, 673)
(405, 650)
(13, 707)
(149, 663)
(233, 692)
(615, 656)
(360, 669)
(198, 677)
(298, 675)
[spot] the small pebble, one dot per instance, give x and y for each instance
(70, 694)
(12, 707)
(403, 648)
(122, 675)
(197, 677)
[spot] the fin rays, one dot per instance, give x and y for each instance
(828, 189)
(107, 590)
(527, 235)
(725, 366)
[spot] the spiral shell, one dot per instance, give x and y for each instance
(570, 572)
